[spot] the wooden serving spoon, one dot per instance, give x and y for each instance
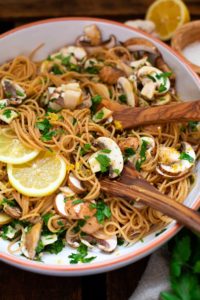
(130, 186)
(131, 117)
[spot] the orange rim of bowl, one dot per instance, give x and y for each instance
(127, 258)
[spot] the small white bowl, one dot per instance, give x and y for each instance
(55, 33)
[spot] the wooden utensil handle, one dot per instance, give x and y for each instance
(180, 112)
(173, 209)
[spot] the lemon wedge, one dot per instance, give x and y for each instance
(168, 15)
(12, 151)
(39, 177)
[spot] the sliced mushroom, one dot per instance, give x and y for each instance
(115, 156)
(87, 102)
(78, 52)
(173, 163)
(110, 75)
(4, 103)
(75, 184)
(4, 219)
(67, 191)
(14, 212)
(153, 82)
(165, 99)
(102, 115)
(107, 245)
(126, 88)
(59, 204)
(92, 34)
(13, 91)
(66, 96)
(30, 239)
(129, 142)
(136, 64)
(139, 44)
(101, 89)
(108, 44)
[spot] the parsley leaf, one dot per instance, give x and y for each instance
(56, 247)
(92, 70)
(123, 98)
(99, 115)
(186, 156)
(96, 100)
(80, 223)
(77, 201)
(85, 149)
(19, 93)
(81, 255)
(192, 125)
(142, 155)
(162, 88)
(56, 70)
(48, 136)
(2, 106)
(129, 152)
(104, 162)
(46, 217)
(103, 211)
(105, 150)
(7, 113)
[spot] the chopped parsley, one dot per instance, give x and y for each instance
(44, 127)
(66, 62)
(104, 162)
(81, 255)
(7, 113)
(192, 125)
(85, 149)
(92, 70)
(2, 106)
(105, 150)
(186, 156)
(142, 158)
(163, 76)
(11, 203)
(116, 171)
(56, 70)
(120, 241)
(96, 100)
(56, 247)
(103, 211)
(19, 93)
(77, 201)
(129, 152)
(48, 136)
(8, 94)
(46, 217)
(80, 223)
(162, 88)
(99, 115)
(123, 98)
(151, 77)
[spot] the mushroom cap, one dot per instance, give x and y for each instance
(75, 184)
(115, 155)
(127, 87)
(140, 44)
(107, 245)
(30, 239)
(59, 205)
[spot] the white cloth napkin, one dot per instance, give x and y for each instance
(155, 278)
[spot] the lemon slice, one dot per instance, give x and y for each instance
(168, 15)
(39, 177)
(12, 151)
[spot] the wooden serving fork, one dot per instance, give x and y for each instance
(131, 117)
(131, 185)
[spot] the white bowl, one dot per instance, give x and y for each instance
(55, 33)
